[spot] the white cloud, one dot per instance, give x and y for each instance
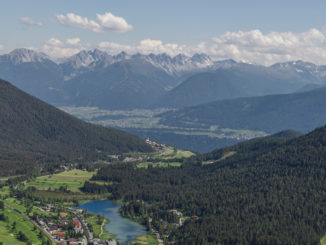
(77, 21)
(110, 22)
(105, 22)
(54, 42)
(146, 46)
(2, 47)
(114, 48)
(30, 22)
(57, 49)
(256, 47)
(73, 41)
(251, 46)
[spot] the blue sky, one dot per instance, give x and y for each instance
(180, 26)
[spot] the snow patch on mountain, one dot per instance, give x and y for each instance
(23, 55)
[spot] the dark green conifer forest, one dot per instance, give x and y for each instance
(270, 191)
(33, 133)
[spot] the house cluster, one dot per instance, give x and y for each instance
(69, 227)
(155, 144)
(64, 229)
(133, 159)
(100, 242)
(73, 241)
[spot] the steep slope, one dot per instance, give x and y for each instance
(33, 132)
(272, 113)
(128, 84)
(85, 61)
(235, 80)
(251, 147)
(180, 64)
(32, 72)
(201, 88)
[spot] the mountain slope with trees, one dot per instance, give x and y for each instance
(272, 113)
(33, 133)
(268, 191)
(235, 81)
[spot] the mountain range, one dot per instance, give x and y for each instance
(95, 78)
(207, 94)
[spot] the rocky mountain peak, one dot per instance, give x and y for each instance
(23, 55)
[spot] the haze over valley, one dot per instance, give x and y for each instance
(152, 95)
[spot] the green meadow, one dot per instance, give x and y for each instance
(147, 239)
(73, 180)
(16, 222)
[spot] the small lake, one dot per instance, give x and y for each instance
(124, 229)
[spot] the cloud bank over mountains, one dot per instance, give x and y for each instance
(251, 47)
(254, 46)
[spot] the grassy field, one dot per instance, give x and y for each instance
(147, 239)
(226, 155)
(8, 237)
(73, 180)
(48, 186)
(4, 191)
(99, 229)
(172, 153)
(14, 203)
(169, 151)
(160, 165)
(8, 234)
(183, 154)
(323, 240)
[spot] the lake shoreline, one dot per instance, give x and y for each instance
(124, 229)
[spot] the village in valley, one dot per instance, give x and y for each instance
(49, 204)
(70, 227)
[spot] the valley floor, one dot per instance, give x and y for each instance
(146, 124)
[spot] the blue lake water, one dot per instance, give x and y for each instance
(124, 229)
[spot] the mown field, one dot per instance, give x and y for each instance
(147, 239)
(172, 153)
(16, 222)
(73, 180)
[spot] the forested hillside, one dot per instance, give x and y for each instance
(33, 133)
(266, 191)
(272, 113)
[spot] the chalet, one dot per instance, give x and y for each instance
(61, 235)
(73, 241)
(77, 225)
